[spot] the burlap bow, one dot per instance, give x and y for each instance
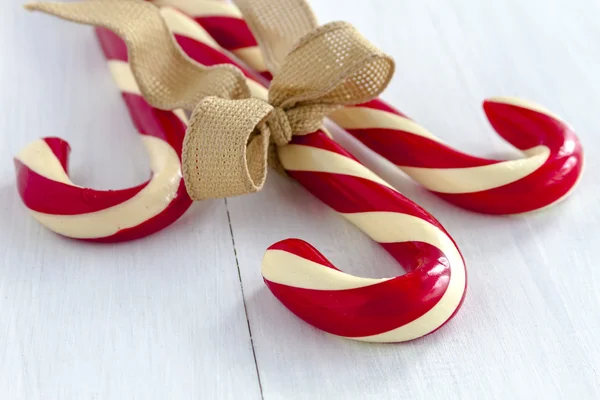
(230, 136)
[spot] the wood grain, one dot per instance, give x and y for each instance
(165, 318)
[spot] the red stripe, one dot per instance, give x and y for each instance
(151, 121)
(410, 150)
(412, 255)
(112, 45)
(230, 33)
(267, 75)
(206, 55)
(304, 250)
(360, 195)
(373, 309)
(51, 197)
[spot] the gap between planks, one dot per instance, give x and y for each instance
(237, 264)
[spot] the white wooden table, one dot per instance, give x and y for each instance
(184, 314)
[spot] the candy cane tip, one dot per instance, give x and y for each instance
(35, 152)
(495, 105)
(61, 149)
(296, 247)
(526, 125)
(516, 101)
(288, 244)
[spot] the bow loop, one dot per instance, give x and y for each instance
(225, 150)
(277, 27)
(279, 125)
(333, 65)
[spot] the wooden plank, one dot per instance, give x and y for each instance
(528, 326)
(159, 318)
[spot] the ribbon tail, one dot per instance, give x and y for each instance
(277, 26)
(226, 147)
(168, 79)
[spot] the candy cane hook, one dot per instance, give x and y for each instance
(548, 173)
(376, 310)
(108, 215)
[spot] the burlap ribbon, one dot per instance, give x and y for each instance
(230, 136)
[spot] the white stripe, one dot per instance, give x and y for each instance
(296, 157)
(386, 227)
(369, 118)
(257, 90)
(121, 73)
(289, 269)
(38, 157)
(181, 24)
(149, 202)
(251, 56)
(123, 76)
(476, 179)
(198, 8)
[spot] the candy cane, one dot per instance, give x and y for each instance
(548, 173)
(377, 310)
(108, 215)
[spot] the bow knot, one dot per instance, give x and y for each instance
(279, 127)
(230, 138)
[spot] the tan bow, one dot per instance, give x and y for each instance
(230, 136)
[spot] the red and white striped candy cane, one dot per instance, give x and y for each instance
(109, 215)
(377, 310)
(550, 170)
